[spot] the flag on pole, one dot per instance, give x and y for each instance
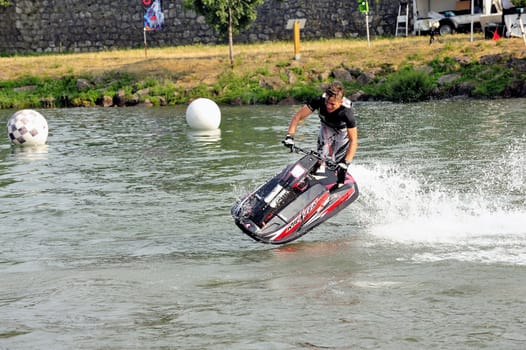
(496, 35)
(153, 17)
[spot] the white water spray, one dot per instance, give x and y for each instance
(485, 222)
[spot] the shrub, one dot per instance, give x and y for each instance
(407, 85)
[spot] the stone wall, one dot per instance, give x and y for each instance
(87, 25)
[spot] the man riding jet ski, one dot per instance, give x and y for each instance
(313, 189)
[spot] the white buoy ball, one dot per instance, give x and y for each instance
(27, 128)
(203, 114)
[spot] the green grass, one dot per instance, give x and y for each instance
(264, 73)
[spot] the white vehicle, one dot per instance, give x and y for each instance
(450, 16)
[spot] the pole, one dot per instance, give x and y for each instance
(472, 15)
(145, 44)
(296, 30)
(367, 26)
(521, 24)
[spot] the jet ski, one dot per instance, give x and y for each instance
(302, 196)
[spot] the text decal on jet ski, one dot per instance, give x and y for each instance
(304, 214)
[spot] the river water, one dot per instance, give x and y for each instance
(118, 235)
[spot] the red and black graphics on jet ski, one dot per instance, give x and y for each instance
(303, 217)
(293, 202)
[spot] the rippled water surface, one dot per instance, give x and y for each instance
(118, 235)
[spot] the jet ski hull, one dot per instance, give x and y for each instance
(294, 201)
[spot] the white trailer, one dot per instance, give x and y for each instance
(449, 16)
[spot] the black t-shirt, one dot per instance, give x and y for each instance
(341, 118)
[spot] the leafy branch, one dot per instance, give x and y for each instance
(226, 17)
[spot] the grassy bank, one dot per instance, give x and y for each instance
(398, 69)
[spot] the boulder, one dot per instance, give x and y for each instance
(105, 101)
(83, 84)
(342, 74)
(119, 99)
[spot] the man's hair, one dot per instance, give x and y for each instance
(335, 89)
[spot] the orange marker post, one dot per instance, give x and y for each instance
(296, 30)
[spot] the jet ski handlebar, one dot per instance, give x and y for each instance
(330, 163)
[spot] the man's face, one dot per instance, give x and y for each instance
(332, 103)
